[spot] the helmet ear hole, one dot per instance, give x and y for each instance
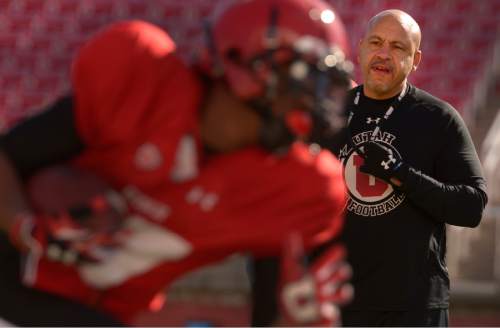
(241, 81)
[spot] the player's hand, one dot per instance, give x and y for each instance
(86, 233)
(312, 296)
(381, 162)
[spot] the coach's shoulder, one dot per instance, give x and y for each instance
(434, 106)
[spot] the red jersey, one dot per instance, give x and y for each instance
(137, 111)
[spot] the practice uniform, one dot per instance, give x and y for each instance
(135, 111)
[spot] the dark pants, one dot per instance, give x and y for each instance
(23, 306)
(423, 318)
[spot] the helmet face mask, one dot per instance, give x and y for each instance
(315, 87)
(268, 50)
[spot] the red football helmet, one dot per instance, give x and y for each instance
(245, 30)
(257, 44)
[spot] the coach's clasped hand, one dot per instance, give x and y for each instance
(382, 163)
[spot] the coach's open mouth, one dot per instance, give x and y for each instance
(381, 69)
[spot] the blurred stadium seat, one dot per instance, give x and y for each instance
(37, 37)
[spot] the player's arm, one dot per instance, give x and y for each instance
(455, 194)
(287, 291)
(47, 138)
(11, 198)
(272, 279)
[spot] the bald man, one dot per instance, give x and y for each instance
(411, 168)
(389, 52)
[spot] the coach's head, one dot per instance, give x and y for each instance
(388, 52)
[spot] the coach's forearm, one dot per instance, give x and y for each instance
(12, 200)
(456, 204)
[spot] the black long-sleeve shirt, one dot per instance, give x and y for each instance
(396, 239)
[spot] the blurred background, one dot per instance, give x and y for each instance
(461, 64)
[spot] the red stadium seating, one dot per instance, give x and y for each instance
(37, 37)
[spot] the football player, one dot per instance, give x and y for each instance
(211, 159)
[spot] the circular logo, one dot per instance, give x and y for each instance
(368, 196)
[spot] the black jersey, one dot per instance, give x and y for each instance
(396, 239)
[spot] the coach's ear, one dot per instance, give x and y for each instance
(416, 59)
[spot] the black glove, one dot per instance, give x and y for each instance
(380, 162)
